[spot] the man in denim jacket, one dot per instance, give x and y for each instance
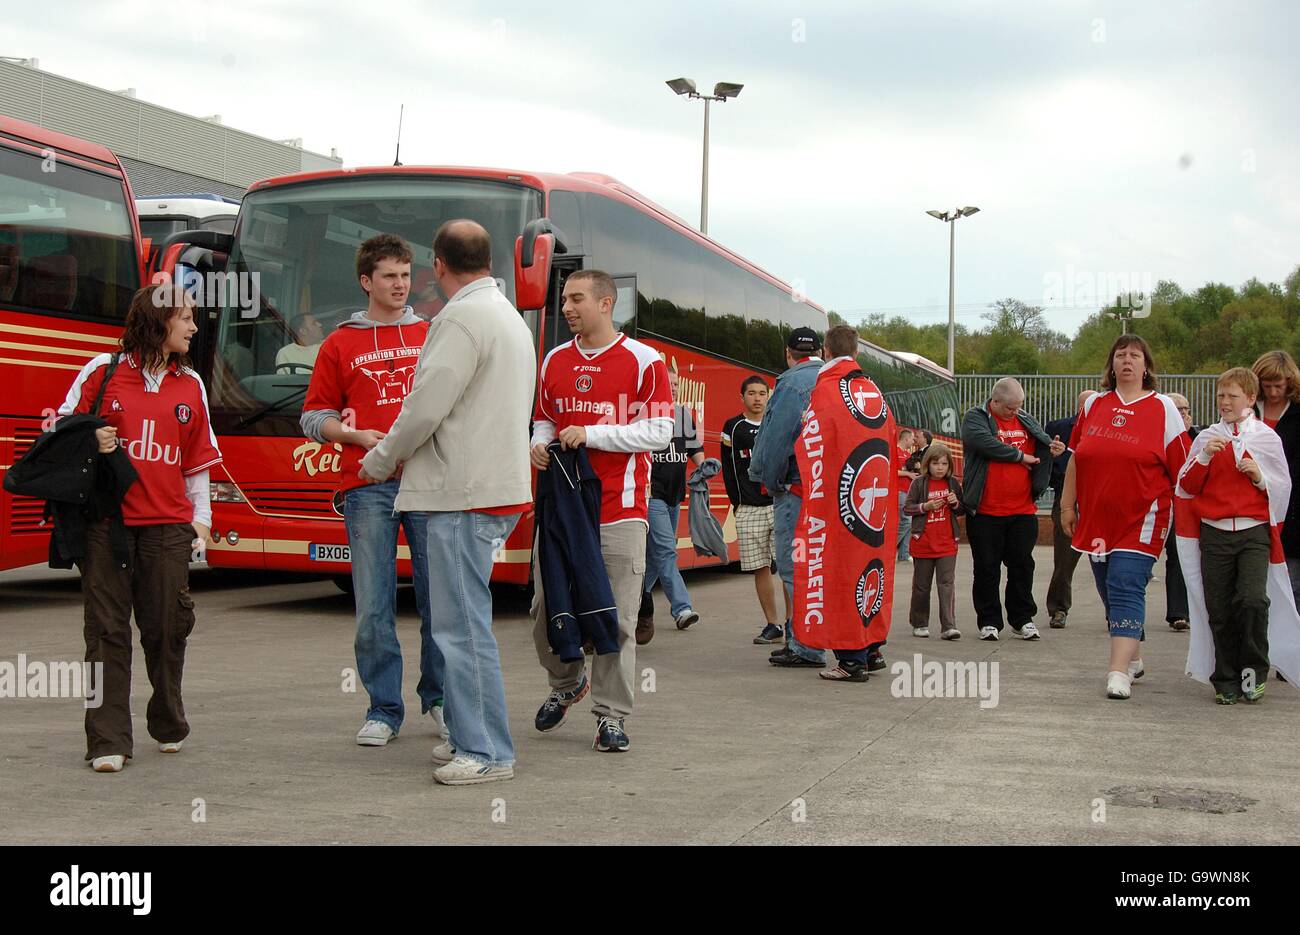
(773, 465)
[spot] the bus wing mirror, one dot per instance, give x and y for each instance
(533, 271)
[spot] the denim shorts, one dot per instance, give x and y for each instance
(1122, 583)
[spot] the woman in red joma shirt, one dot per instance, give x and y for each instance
(157, 410)
(1129, 444)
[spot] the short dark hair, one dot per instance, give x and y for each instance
(1108, 381)
(602, 284)
(381, 247)
(842, 341)
(929, 438)
(464, 246)
(753, 378)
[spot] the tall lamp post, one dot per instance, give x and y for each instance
(950, 218)
(721, 92)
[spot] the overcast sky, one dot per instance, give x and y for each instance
(1151, 137)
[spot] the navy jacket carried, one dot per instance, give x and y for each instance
(576, 595)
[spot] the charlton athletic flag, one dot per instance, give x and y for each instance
(845, 541)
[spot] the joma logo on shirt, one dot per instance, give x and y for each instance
(145, 448)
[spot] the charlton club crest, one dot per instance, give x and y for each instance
(870, 592)
(864, 400)
(865, 491)
(583, 383)
(183, 414)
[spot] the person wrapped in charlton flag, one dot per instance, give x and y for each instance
(845, 542)
(1232, 497)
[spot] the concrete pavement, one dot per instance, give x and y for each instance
(725, 749)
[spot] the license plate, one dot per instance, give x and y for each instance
(320, 552)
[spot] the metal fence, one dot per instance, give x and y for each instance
(1051, 396)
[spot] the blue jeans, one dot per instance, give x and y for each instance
(785, 517)
(904, 528)
(372, 526)
(461, 545)
(661, 557)
(1122, 583)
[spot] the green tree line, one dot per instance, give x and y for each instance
(1206, 331)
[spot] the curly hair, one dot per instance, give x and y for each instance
(1279, 365)
(146, 326)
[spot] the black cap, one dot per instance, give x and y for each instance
(804, 341)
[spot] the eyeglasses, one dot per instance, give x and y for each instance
(1183, 408)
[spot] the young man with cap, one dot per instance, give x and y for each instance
(773, 465)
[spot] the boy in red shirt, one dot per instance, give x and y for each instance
(1230, 496)
(363, 373)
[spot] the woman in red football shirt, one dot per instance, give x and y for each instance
(157, 411)
(1129, 444)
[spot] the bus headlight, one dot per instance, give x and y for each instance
(232, 537)
(225, 492)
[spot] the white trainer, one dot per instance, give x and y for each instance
(989, 633)
(375, 734)
(108, 764)
(1118, 685)
(171, 747)
(1027, 632)
(443, 754)
(922, 632)
(953, 634)
(463, 771)
(440, 722)
(1136, 669)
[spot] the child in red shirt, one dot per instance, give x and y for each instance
(933, 502)
(1229, 489)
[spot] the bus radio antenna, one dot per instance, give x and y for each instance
(397, 157)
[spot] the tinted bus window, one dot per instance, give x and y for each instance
(66, 244)
(724, 304)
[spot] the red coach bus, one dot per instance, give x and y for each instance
(714, 317)
(70, 260)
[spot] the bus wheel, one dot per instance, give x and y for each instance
(343, 583)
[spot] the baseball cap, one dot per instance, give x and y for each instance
(804, 341)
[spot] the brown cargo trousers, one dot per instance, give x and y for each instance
(156, 587)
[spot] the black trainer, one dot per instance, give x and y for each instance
(876, 661)
(789, 659)
(771, 634)
(552, 712)
(610, 736)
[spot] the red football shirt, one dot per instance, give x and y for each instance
(162, 424)
(1127, 457)
(901, 484)
(618, 385)
(937, 541)
(1007, 486)
(364, 371)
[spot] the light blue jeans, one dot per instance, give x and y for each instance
(661, 557)
(461, 545)
(785, 517)
(372, 526)
(1122, 583)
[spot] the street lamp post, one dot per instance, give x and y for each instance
(950, 218)
(721, 92)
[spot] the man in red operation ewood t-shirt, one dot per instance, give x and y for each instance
(610, 393)
(364, 370)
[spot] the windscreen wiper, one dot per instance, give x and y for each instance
(271, 407)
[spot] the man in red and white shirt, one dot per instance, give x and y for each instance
(610, 393)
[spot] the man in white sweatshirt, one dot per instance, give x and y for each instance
(460, 443)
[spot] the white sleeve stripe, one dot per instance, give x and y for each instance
(74, 393)
(207, 412)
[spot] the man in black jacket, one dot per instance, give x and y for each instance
(1064, 558)
(1008, 463)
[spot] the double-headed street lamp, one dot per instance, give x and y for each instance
(721, 92)
(950, 218)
